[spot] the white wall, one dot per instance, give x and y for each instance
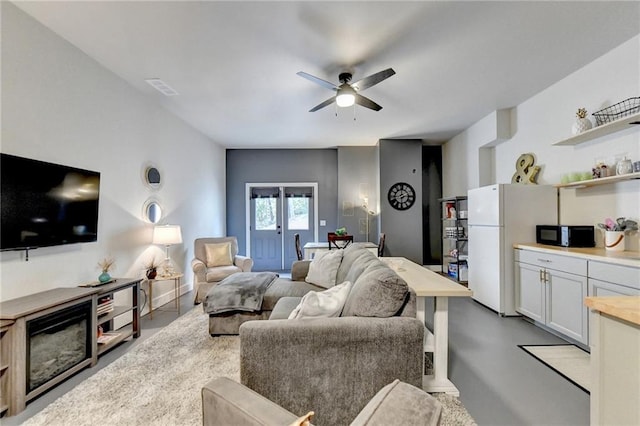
(546, 118)
(61, 106)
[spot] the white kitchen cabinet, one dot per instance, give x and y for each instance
(615, 350)
(550, 289)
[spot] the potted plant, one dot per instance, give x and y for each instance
(151, 269)
(614, 232)
(105, 265)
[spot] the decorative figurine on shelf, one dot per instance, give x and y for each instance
(582, 123)
(105, 265)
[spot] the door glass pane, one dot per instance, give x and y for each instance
(298, 209)
(266, 215)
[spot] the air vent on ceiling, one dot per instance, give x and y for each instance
(161, 87)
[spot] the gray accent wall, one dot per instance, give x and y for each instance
(275, 166)
(401, 161)
(357, 178)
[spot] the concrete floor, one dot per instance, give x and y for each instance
(499, 383)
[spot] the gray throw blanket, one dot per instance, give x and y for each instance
(243, 291)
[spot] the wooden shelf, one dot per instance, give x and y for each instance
(606, 129)
(125, 333)
(117, 311)
(603, 130)
(599, 181)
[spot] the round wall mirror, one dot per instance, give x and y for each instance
(152, 176)
(152, 211)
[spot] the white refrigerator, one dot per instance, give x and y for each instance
(499, 216)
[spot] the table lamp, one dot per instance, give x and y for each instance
(167, 235)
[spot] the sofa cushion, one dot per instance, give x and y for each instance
(283, 287)
(221, 272)
(400, 403)
(324, 267)
(284, 307)
(322, 304)
(352, 255)
(378, 292)
(218, 254)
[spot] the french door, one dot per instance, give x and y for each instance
(275, 214)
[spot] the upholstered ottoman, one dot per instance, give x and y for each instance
(229, 321)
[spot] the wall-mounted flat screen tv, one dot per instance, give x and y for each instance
(45, 204)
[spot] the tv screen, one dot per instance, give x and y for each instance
(45, 204)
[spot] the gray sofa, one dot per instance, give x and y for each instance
(229, 322)
(225, 402)
(334, 366)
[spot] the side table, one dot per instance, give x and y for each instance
(176, 278)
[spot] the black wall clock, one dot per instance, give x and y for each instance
(401, 196)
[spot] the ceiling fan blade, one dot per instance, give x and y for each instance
(321, 82)
(324, 104)
(373, 79)
(367, 103)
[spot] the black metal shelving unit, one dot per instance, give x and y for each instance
(454, 214)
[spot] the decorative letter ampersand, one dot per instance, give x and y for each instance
(526, 170)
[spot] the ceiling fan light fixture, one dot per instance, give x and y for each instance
(346, 97)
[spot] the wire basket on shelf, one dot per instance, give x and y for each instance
(621, 109)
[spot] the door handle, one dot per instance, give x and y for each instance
(541, 276)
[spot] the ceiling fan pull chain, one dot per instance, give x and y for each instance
(354, 112)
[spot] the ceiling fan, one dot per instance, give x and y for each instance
(348, 93)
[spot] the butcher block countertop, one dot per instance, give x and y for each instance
(622, 307)
(599, 254)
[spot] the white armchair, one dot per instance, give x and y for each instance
(214, 261)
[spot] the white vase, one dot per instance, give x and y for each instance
(614, 240)
(581, 125)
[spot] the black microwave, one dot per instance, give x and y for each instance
(566, 235)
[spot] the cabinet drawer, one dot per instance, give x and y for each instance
(568, 264)
(617, 274)
(599, 288)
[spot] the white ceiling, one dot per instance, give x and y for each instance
(234, 63)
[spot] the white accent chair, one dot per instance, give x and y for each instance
(204, 278)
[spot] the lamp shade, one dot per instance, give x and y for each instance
(167, 235)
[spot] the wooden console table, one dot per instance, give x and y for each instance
(427, 283)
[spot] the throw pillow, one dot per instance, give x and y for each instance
(218, 254)
(376, 293)
(323, 304)
(400, 403)
(324, 267)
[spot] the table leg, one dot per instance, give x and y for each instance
(177, 291)
(439, 382)
(150, 298)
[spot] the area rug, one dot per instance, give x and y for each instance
(569, 361)
(158, 382)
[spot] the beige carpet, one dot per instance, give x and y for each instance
(158, 382)
(569, 360)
